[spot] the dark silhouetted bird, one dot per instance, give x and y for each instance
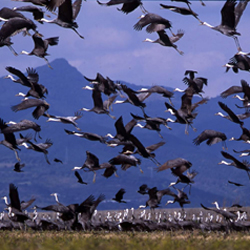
(119, 196)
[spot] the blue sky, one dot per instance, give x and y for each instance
(113, 48)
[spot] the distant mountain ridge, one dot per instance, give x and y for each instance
(66, 96)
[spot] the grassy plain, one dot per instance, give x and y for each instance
(179, 240)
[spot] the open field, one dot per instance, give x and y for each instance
(104, 240)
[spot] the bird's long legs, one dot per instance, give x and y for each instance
(237, 43)
(78, 33)
(12, 50)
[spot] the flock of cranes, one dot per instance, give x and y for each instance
(104, 94)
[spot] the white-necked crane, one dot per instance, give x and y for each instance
(165, 40)
(238, 61)
(87, 135)
(231, 115)
(67, 13)
(186, 179)
(244, 165)
(31, 81)
(41, 47)
(16, 25)
(155, 197)
(152, 123)
(230, 17)
(126, 161)
(182, 116)
(64, 119)
(91, 163)
(22, 125)
(181, 197)
(9, 139)
(98, 104)
(40, 147)
(245, 136)
(159, 90)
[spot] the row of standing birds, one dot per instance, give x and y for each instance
(185, 115)
(84, 216)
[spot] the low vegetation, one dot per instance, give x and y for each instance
(10, 240)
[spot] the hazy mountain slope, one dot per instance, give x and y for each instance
(66, 96)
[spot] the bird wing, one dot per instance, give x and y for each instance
(53, 4)
(177, 36)
(27, 103)
(231, 90)
(227, 14)
(230, 113)
(51, 41)
(65, 12)
(37, 12)
(14, 197)
(38, 41)
(202, 137)
(26, 204)
(178, 162)
(239, 164)
(142, 150)
(39, 111)
(164, 37)
(214, 140)
(97, 98)
(155, 146)
(137, 117)
(120, 129)
(238, 11)
(129, 6)
(76, 6)
(168, 106)
(234, 183)
(32, 75)
(228, 156)
(160, 193)
(92, 160)
(18, 73)
(14, 26)
(246, 89)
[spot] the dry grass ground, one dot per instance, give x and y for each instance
(179, 240)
